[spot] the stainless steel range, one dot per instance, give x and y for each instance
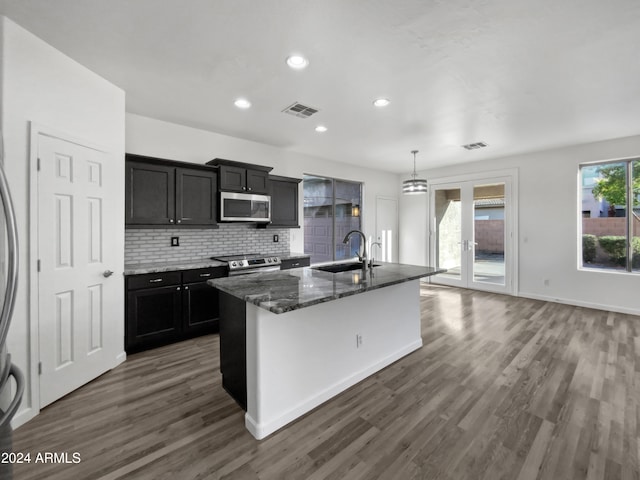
(250, 263)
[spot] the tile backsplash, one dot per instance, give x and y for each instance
(150, 245)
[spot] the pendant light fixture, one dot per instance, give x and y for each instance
(415, 185)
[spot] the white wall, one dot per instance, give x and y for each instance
(147, 136)
(548, 218)
(41, 85)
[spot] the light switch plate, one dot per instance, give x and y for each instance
(175, 241)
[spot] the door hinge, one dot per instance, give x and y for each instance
(39, 368)
(38, 165)
(38, 265)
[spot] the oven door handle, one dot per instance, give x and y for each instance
(247, 271)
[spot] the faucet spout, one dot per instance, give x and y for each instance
(362, 258)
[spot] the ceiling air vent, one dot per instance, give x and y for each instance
(300, 110)
(474, 146)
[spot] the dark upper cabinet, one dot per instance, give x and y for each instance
(237, 179)
(196, 193)
(150, 194)
(257, 181)
(284, 201)
(241, 177)
(232, 178)
(164, 192)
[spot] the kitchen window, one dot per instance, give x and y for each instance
(610, 216)
(332, 208)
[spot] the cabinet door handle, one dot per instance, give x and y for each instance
(179, 221)
(244, 188)
(171, 220)
(205, 274)
(249, 188)
(107, 273)
(177, 288)
(186, 288)
(155, 280)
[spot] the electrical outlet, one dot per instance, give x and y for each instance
(276, 239)
(358, 340)
(175, 241)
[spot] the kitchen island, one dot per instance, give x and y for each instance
(291, 340)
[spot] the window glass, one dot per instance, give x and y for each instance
(606, 208)
(331, 209)
(636, 216)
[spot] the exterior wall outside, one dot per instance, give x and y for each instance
(489, 236)
(607, 226)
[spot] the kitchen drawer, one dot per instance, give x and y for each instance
(153, 280)
(203, 274)
(295, 263)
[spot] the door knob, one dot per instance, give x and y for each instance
(107, 273)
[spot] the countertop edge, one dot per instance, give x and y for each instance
(259, 302)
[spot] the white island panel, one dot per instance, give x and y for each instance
(302, 358)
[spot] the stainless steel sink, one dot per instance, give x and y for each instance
(341, 267)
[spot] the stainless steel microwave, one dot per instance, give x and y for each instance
(244, 207)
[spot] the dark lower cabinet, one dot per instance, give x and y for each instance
(157, 316)
(199, 308)
(289, 263)
(171, 306)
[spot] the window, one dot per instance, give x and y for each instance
(331, 209)
(610, 209)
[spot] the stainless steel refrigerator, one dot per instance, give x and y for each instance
(9, 397)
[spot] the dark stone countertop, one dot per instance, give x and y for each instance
(287, 290)
(171, 266)
(164, 266)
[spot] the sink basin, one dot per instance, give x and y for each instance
(341, 267)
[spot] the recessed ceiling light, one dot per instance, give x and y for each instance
(321, 128)
(242, 103)
(381, 102)
(297, 62)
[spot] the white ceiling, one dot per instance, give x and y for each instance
(521, 75)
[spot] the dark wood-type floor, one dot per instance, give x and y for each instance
(504, 388)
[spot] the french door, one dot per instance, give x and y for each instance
(472, 233)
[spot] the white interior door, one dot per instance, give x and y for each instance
(77, 313)
(471, 233)
(386, 230)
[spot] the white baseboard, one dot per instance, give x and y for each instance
(578, 303)
(23, 416)
(261, 430)
(121, 357)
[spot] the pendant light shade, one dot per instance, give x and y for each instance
(415, 185)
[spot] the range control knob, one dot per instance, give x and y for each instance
(233, 264)
(274, 259)
(268, 260)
